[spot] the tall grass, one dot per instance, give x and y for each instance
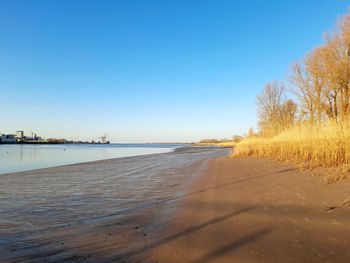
(325, 145)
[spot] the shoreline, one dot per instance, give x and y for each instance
(79, 164)
(257, 210)
(100, 211)
(64, 161)
(178, 149)
(234, 210)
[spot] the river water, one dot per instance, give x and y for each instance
(23, 157)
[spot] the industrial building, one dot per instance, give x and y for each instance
(7, 138)
(19, 137)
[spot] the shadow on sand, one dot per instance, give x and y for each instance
(185, 232)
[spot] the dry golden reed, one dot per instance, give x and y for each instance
(324, 145)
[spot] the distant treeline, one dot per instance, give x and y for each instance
(235, 138)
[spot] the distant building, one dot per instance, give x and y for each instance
(7, 138)
(19, 134)
(19, 137)
(36, 137)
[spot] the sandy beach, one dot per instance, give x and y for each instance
(174, 131)
(196, 207)
(256, 210)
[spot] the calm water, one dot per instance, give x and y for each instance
(15, 158)
(94, 212)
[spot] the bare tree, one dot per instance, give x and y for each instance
(322, 80)
(304, 90)
(269, 104)
(288, 113)
(237, 138)
(251, 133)
(333, 68)
(315, 66)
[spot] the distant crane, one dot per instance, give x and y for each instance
(103, 138)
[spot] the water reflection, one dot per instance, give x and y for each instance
(15, 158)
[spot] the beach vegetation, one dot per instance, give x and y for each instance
(313, 128)
(237, 138)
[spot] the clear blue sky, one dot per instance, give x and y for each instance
(148, 70)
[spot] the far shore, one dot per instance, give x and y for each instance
(228, 144)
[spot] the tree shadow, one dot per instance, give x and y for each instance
(237, 182)
(185, 232)
(233, 246)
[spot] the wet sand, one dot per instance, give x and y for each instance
(256, 210)
(103, 211)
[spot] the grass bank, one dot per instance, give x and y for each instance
(312, 146)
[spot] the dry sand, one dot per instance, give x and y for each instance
(256, 210)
